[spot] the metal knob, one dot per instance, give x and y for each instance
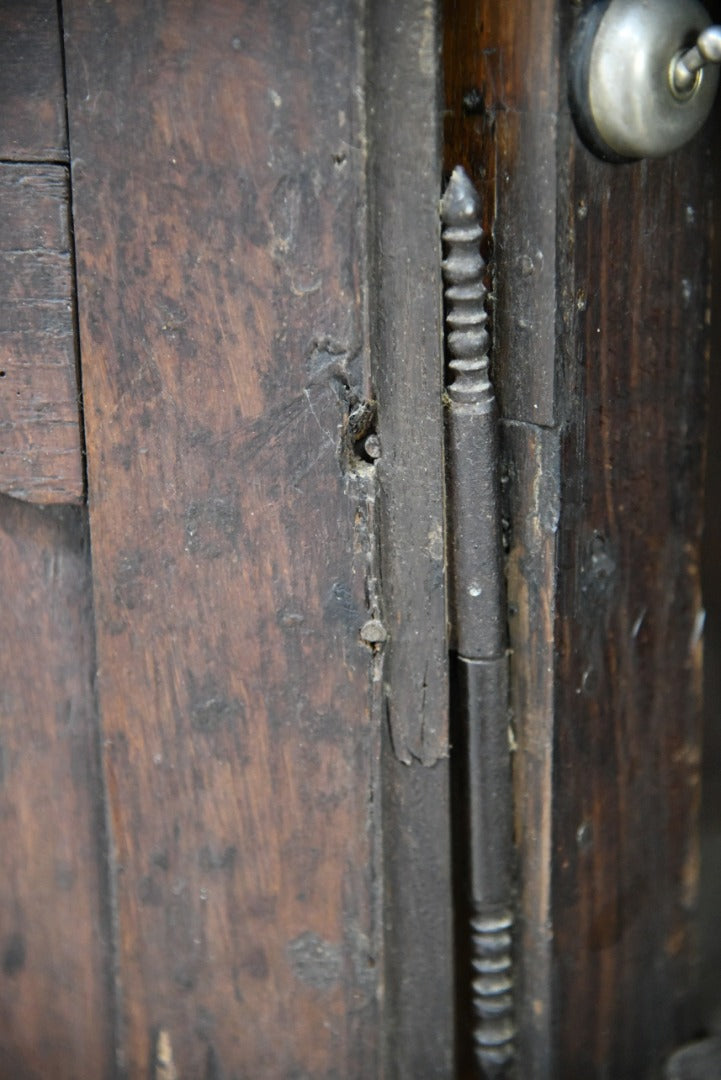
(643, 75)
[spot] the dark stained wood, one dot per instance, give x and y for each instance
(710, 881)
(54, 926)
(405, 318)
(630, 619)
(40, 441)
(604, 495)
(219, 209)
(31, 82)
(502, 90)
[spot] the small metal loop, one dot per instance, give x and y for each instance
(686, 67)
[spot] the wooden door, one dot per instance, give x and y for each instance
(225, 763)
(198, 769)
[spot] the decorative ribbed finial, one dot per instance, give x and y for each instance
(492, 989)
(463, 267)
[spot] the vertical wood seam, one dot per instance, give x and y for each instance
(107, 872)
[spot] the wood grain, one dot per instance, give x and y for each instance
(532, 486)
(40, 439)
(419, 1002)
(31, 82)
(502, 100)
(630, 622)
(219, 207)
(603, 397)
(55, 1009)
(403, 91)
(405, 318)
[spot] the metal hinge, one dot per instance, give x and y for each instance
(478, 630)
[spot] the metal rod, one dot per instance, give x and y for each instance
(479, 624)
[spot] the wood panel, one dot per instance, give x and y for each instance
(602, 391)
(405, 318)
(532, 467)
(55, 1015)
(219, 206)
(630, 621)
(40, 438)
(31, 82)
(404, 167)
(419, 1000)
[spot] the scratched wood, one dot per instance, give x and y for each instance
(405, 312)
(602, 391)
(55, 1017)
(404, 126)
(31, 82)
(218, 192)
(40, 440)
(419, 999)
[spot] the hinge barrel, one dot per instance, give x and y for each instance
(478, 621)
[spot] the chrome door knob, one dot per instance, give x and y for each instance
(643, 75)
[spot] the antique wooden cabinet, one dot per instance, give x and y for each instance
(229, 800)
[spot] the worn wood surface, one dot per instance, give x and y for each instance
(532, 489)
(602, 392)
(40, 440)
(54, 927)
(404, 123)
(419, 1000)
(31, 82)
(405, 319)
(219, 209)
